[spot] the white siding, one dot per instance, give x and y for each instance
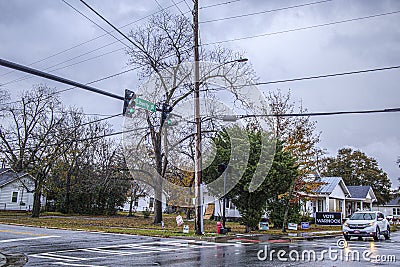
(143, 204)
(230, 211)
(24, 197)
(337, 192)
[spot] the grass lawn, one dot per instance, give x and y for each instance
(131, 225)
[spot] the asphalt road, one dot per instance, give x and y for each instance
(50, 247)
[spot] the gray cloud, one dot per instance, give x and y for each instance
(35, 29)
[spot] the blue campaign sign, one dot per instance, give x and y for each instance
(305, 225)
(264, 226)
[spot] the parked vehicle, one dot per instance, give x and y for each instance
(366, 224)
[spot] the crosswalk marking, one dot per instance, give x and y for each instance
(129, 249)
(27, 238)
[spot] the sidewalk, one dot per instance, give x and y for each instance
(3, 259)
(13, 259)
(262, 238)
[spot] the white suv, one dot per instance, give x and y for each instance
(366, 224)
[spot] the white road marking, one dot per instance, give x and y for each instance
(27, 238)
(75, 264)
(139, 248)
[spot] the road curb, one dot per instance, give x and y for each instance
(3, 260)
(13, 259)
(216, 239)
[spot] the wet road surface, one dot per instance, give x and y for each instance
(51, 247)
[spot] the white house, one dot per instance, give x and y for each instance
(361, 198)
(330, 196)
(391, 208)
(144, 202)
(16, 190)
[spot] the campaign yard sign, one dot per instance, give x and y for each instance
(305, 225)
(328, 218)
(292, 226)
(179, 220)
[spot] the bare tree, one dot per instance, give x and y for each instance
(163, 52)
(30, 136)
(80, 136)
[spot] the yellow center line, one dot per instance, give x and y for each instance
(21, 233)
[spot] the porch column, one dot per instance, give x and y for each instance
(344, 215)
(327, 203)
(361, 205)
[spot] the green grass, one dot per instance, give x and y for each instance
(137, 225)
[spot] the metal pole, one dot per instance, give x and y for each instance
(224, 200)
(198, 167)
(49, 76)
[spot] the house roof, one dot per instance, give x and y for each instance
(359, 191)
(394, 202)
(329, 184)
(7, 175)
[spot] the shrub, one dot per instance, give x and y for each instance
(146, 213)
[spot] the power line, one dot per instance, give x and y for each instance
(265, 11)
(100, 36)
(112, 26)
(94, 50)
(312, 114)
(328, 75)
(25, 77)
(83, 124)
(93, 39)
(177, 7)
(70, 88)
(309, 77)
(84, 139)
(109, 33)
(22, 68)
(219, 4)
(158, 3)
(303, 28)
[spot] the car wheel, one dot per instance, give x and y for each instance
(346, 237)
(377, 234)
(387, 235)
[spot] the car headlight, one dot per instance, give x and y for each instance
(371, 223)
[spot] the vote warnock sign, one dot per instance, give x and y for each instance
(328, 218)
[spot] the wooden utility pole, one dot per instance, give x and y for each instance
(198, 165)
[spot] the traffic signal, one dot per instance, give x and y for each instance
(166, 109)
(129, 103)
(221, 167)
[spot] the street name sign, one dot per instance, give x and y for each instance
(141, 103)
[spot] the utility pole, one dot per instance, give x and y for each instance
(198, 165)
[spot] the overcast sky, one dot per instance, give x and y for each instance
(36, 29)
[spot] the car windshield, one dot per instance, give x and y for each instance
(363, 216)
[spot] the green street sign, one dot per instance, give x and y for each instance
(141, 103)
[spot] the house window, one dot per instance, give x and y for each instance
(320, 205)
(396, 211)
(151, 204)
(136, 204)
(14, 197)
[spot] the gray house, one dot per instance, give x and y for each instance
(362, 198)
(391, 208)
(16, 190)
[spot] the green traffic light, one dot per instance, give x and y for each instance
(131, 110)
